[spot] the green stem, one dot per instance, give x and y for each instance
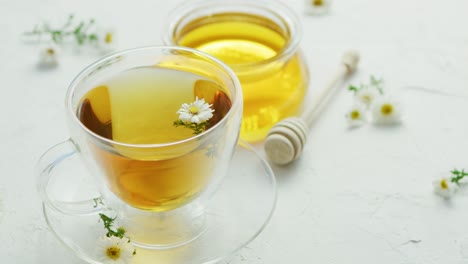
(80, 32)
(108, 223)
(458, 175)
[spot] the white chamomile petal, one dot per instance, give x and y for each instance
(386, 111)
(444, 187)
(206, 115)
(197, 112)
(356, 115)
(366, 96)
(184, 116)
(199, 102)
(114, 250)
(49, 56)
(195, 119)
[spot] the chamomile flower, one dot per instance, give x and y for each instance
(48, 56)
(316, 7)
(444, 187)
(106, 40)
(114, 250)
(197, 112)
(366, 96)
(386, 111)
(356, 115)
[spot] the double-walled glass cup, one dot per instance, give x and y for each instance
(259, 40)
(157, 190)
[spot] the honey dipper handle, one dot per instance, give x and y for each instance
(348, 65)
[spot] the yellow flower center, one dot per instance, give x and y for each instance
(193, 110)
(355, 115)
(318, 2)
(386, 109)
(444, 184)
(108, 38)
(50, 51)
(113, 252)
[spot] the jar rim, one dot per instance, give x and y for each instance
(272, 7)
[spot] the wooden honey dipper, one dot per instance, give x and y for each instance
(286, 139)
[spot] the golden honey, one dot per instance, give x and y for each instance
(273, 75)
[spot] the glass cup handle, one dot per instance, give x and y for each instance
(54, 158)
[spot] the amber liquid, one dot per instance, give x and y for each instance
(271, 91)
(139, 107)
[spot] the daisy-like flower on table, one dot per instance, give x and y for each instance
(356, 115)
(194, 115)
(105, 39)
(386, 111)
(447, 186)
(114, 250)
(48, 56)
(316, 7)
(366, 96)
(444, 186)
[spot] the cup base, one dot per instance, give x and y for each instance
(165, 230)
(236, 214)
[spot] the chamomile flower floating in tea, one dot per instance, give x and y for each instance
(195, 115)
(386, 111)
(197, 112)
(356, 115)
(114, 250)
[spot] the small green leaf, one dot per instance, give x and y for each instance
(353, 88)
(458, 175)
(92, 37)
(108, 223)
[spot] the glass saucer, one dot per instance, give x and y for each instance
(237, 214)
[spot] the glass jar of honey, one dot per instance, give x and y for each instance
(259, 40)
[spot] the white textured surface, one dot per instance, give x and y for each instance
(355, 196)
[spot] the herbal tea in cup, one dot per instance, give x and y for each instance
(157, 127)
(259, 40)
(139, 106)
